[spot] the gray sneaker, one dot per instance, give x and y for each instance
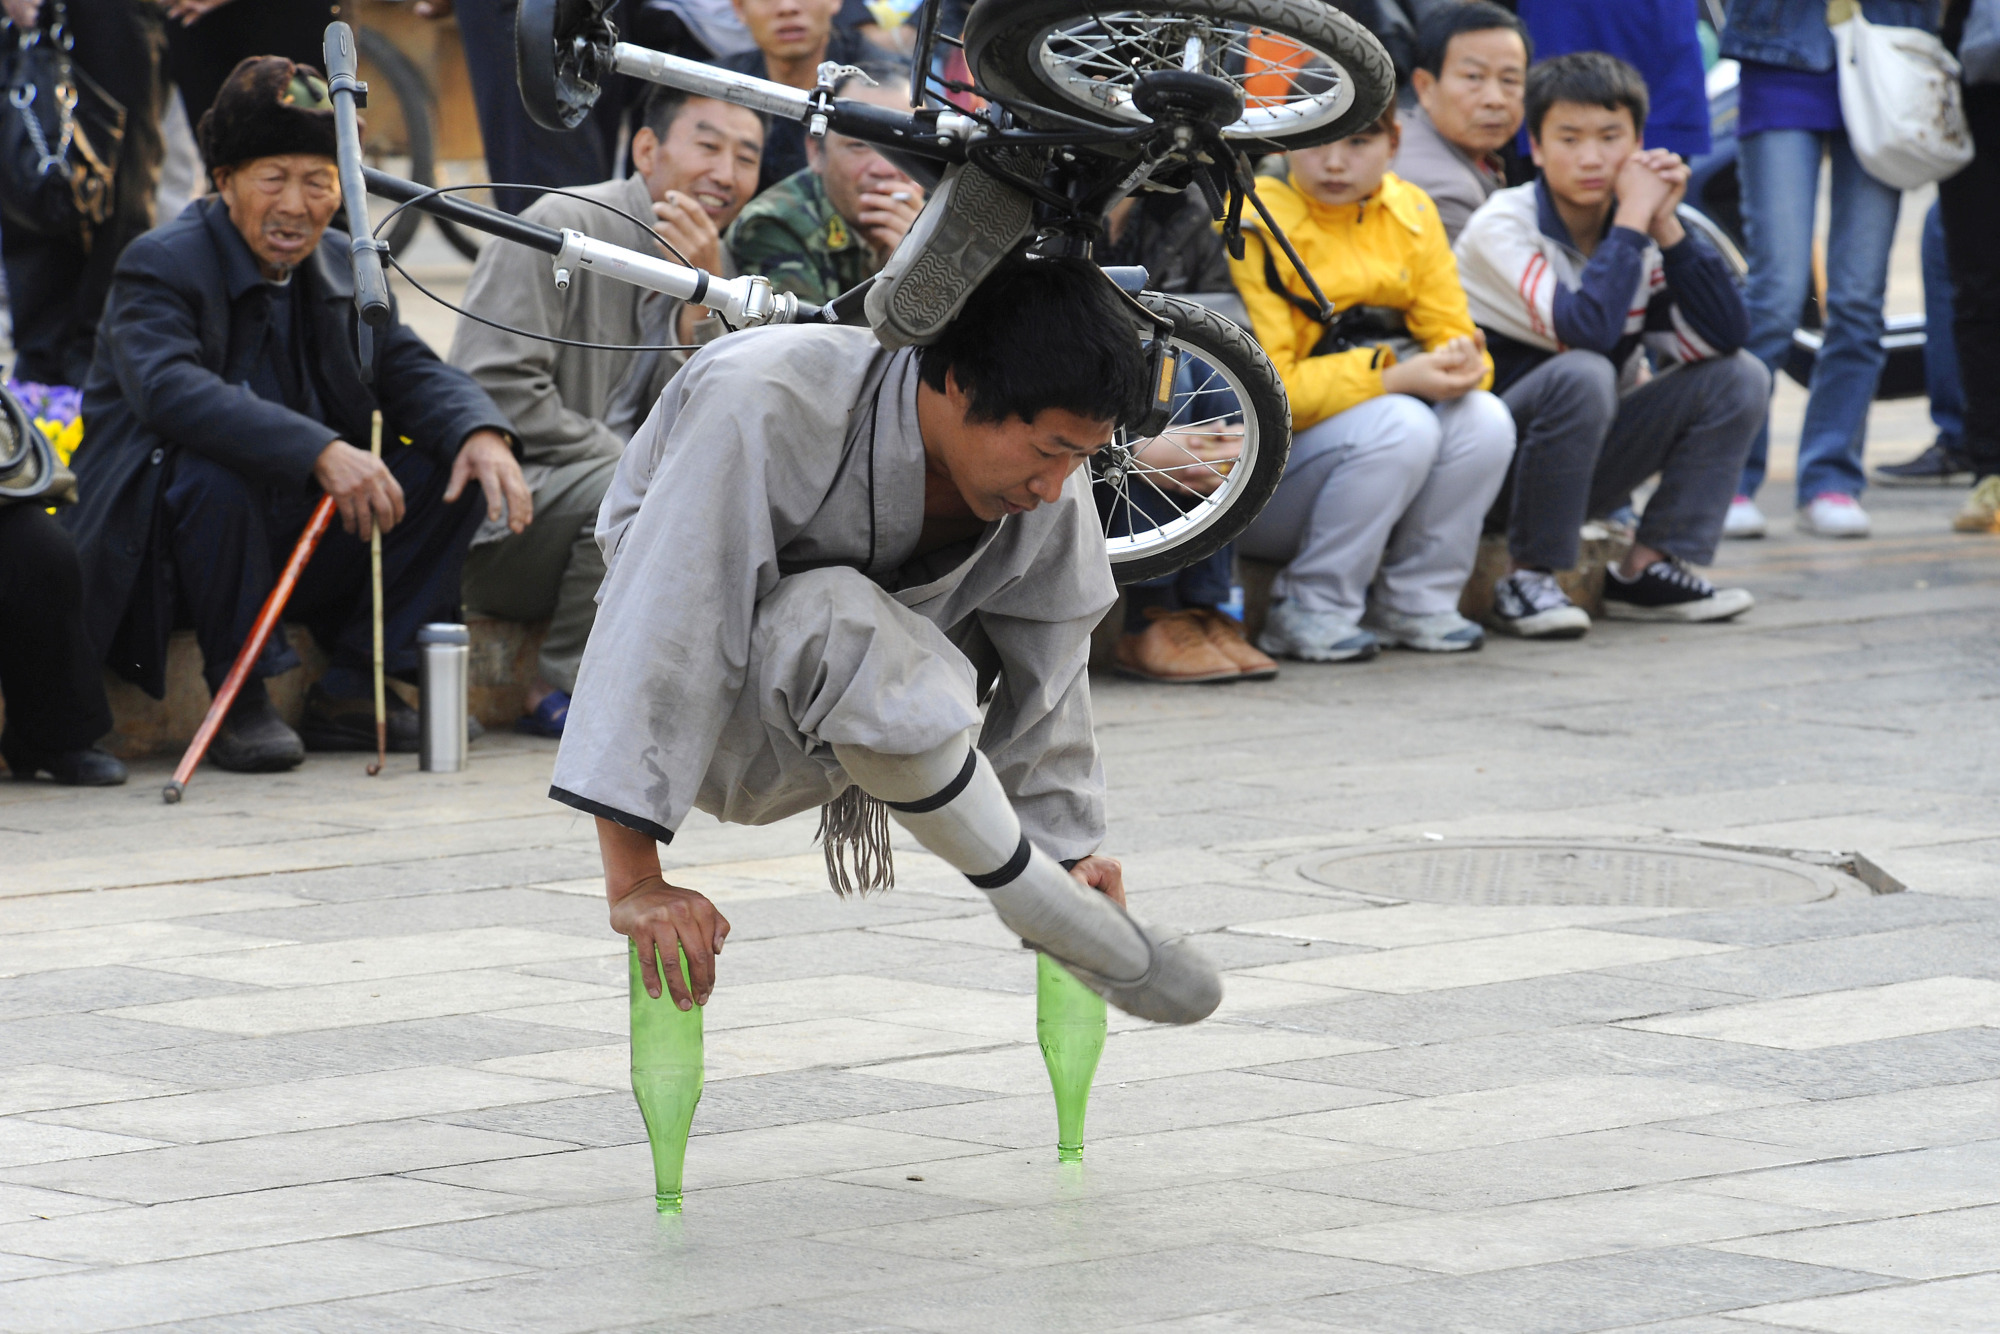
(1291, 631)
(1531, 604)
(1437, 632)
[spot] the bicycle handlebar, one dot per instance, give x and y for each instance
(371, 287)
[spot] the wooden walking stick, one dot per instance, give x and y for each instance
(375, 590)
(267, 619)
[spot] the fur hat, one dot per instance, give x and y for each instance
(267, 106)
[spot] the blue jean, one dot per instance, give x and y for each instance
(1941, 380)
(1780, 173)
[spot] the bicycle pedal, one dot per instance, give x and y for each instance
(968, 226)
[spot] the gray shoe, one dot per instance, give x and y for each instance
(1179, 986)
(253, 739)
(1291, 631)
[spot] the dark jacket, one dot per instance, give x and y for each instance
(1793, 33)
(1175, 238)
(180, 336)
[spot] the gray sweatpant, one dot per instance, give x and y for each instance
(1583, 448)
(1391, 493)
(550, 570)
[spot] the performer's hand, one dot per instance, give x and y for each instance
(660, 917)
(363, 489)
(1104, 875)
(486, 455)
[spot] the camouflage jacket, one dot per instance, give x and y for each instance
(792, 236)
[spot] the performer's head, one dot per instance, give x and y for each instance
(1029, 381)
(268, 144)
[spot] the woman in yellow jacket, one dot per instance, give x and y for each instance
(1395, 457)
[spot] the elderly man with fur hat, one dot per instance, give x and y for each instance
(226, 398)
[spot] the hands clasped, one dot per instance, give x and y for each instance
(1450, 370)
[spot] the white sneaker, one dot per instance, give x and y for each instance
(1291, 631)
(1745, 519)
(1436, 632)
(1832, 514)
(1531, 604)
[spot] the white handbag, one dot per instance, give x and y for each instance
(1900, 99)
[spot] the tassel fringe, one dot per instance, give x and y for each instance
(854, 835)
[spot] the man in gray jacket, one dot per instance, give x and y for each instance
(574, 407)
(1472, 66)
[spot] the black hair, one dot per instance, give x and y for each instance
(1590, 78)
(1042, 333)
(663, 106)
(1445, 22)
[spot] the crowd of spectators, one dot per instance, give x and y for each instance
(1530, 338)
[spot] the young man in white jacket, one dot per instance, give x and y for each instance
(1575, 278)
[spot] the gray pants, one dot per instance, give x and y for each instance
(550, 570)
(1583, 449)
(1394, 486)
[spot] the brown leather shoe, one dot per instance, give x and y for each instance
(1174, 649)
(1226, 633)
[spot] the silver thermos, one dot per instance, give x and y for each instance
(444, 649)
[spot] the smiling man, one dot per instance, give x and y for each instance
(695, 166)
(825, 557)
(1472, 65)
(226, 399)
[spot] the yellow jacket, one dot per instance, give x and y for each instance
(1387, 250)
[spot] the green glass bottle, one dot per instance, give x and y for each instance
(666, 1077)
(1069, 1021)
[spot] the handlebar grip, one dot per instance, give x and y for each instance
(371, 288)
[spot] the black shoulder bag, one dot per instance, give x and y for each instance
(1378, 327)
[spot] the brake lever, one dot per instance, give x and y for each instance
(821, 98)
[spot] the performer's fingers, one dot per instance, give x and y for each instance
(701, 963)
(721, 931)
(649, 973)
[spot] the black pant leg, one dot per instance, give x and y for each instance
(421, 560)
(52, 681)
(1969, 202)
(220, 536)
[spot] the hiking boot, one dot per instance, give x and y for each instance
(1667, 590)
(1226, 633)
(1531, 604)
(1833, 514)
(253, 739)
(332, 723)
(1291, 631)
(1939, 465)
(1981, 513)
(1435, 632)
(1744, 519)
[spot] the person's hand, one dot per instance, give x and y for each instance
(486, 456)
(365, 492)
(1450, 370)
(1190, 463)
(1641, 189)
(1102, 874)
(885, 216)
(433, 9)
(685, 225)
(661, 918)
(22, 13)
(186, 12)
(1666, 228)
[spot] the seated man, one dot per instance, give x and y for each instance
(226, 400)
(824, 557)
(823, 230)
(793, 37)
(575, 407)
(1575, 277)
(1472, 62)
(1397, 448)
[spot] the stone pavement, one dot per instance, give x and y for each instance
(321, 1052)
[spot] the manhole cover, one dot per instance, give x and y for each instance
(1613, 875)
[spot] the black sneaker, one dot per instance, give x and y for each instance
(1667, 590)
(253, 739)
(1531, 604)
(1936, 466)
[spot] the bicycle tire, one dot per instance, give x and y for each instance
(1213, 523)
(1007, 44)
(407, 85)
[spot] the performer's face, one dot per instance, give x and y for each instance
(1012, 466)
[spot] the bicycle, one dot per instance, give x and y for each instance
(1077, 107)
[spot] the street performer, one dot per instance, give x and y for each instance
(823, 558)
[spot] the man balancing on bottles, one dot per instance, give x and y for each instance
(823, 557)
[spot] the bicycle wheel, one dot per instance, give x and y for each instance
(1307, 73)
(1226, 387)
(398, 137)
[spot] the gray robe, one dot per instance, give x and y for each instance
(762, 604)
